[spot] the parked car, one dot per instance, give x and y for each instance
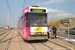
(71, 31)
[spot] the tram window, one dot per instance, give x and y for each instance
(19, 23)
(35, 20)
(22, 21)
(27, 22)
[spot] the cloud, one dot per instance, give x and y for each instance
(51, 2)
(73, 15)
(54, 10)
(64, 14)
(58, 13)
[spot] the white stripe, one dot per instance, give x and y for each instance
(33, 29)
(44, 29)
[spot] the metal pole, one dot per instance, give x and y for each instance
(58, 33)
(70, 36)
(11, 22)
(8, 18)
(62, 31)
(68, 31)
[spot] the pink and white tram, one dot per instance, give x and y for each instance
(33, 23)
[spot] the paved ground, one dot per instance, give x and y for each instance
(67, 43)
(1, 30)
(13, 41)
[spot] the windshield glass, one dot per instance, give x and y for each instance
(36, 19)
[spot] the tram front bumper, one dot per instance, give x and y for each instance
(37, 37)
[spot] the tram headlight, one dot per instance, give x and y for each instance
(32, 33)
(45, 33)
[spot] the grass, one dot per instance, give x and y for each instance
(56, 22)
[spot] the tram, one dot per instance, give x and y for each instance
(32, 25)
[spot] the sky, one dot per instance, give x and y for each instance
(56, 9)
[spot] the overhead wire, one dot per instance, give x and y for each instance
(24, 3)
(22, 8)
(10, 10)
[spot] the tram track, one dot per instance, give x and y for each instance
(64, 46)
(20, 43)
(40, 43)
(9, 42)
(33, 46)
(5, 35)
(51, 48)
(47, 46)
(3, 32)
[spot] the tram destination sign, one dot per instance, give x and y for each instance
(37, 10)
(65, 21)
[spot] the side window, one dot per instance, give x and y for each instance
(22, 21)
(19, 23)
(27, 22)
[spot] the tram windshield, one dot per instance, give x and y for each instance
(36, 19)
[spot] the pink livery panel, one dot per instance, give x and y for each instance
(26, 30)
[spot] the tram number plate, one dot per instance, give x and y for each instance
(39, 33)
